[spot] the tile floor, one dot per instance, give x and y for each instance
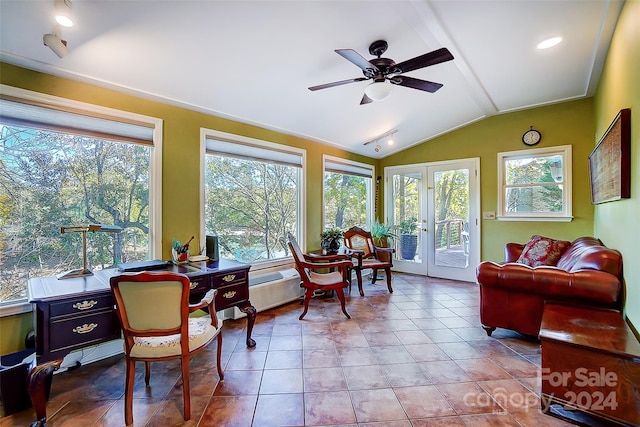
(417, 357)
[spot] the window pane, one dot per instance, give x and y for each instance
(251, 205)
(546, 199)
(534, 170)
(345, 200)
(49, 180)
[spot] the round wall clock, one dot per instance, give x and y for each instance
(531, 137)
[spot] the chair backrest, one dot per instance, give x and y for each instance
(152, 304)
(298, 257)
(358, 239)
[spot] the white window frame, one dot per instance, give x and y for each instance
(358, 169)
(566, 215)
(155, 167)
(205, 133)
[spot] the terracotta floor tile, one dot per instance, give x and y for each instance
(324, 379)
(281, 381)
(275, 410)
(444, 372)
(482, 369)
(365, 377)
(284, 359)
(377, 405)
(423, 402)
(468, 398)
(405, 375)
(328, 408)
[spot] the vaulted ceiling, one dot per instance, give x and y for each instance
(253, 61)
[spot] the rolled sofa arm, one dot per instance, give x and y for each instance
(512, 251)
(589, 286)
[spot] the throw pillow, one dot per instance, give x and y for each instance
(542, 251)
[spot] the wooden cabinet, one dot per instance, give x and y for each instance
(74, 313)
(590, 366)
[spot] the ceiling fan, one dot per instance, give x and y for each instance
(381, 70)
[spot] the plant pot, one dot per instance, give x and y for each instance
(382, 242)
(330, 247)
(408, 246)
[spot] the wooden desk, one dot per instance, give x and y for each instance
(75, 313)
(590, 366)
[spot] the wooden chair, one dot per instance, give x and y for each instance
(314, 275)
(153, 308)
(367, 255)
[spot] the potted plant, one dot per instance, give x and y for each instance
(382, 235)
(408, 238)
(331, 240)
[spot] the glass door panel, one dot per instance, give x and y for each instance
(406, 214)
(452, 206)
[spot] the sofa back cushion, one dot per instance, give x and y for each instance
(591, 254)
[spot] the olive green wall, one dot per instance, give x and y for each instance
(618, 223)
(180, 164)
(568, 123)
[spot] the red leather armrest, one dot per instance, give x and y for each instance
(512, 251)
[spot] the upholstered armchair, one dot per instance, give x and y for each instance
(153, 308)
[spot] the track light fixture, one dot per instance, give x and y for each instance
(387, 135)
(63, 11)
(55, 43)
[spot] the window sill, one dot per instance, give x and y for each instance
(13, 308)
(537, 218)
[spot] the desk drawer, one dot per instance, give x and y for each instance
(199, 285)
(220, 280)
(230, 295)
(81, 331)
(85, 304)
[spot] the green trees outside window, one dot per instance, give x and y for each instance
(49, 180)
(250, 205)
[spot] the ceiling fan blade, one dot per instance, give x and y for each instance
(413, 83)
(357, 59)
(431, 58)
(340, 83)
(366, 100)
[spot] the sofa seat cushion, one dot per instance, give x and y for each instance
(542, 251)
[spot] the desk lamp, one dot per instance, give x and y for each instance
(84, 271)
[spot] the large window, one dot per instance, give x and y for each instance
(252, 196)
(66, 164)
(348, 194)
(535, 185)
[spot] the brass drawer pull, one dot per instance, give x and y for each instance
(229, 277)
(84, 305)
(85, 328)
(192, 285)
(229, 294)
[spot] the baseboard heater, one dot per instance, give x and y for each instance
(270, 290)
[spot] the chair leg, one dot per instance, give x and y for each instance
(186, 394)
(128, 391)
(387, 271)
(219, 353)
(307, 297)
(359, 276)
(374, 276)
(340, 293)
(147, 373)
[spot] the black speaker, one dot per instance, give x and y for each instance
(212, 248)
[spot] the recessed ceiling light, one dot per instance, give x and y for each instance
(546, 44)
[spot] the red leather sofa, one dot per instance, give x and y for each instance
(512, 295)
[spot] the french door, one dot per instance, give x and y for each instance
(435, 210)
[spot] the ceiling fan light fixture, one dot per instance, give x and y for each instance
(378, 90)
